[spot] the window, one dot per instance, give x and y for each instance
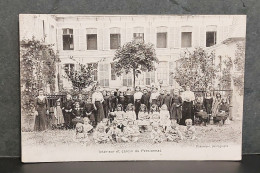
(127, 79)
(115, 41)
(67, 39)
(103, 75)
(162, 74)
(149, 77)
(162, 40)
(113, 73)
(211, 38)
(68, 68)
(138, 37)
(94, 72)
(91, 41)
(186, 39)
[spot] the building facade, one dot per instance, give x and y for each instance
(93, 40)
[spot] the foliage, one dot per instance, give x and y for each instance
(37, 68)
(136, 57)
(234, 69)
(196, 69)
(80, 78)
(225, 77)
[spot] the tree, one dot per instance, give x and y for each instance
(135, 57)
(37, 69)
(196, 69)
(233, 70)
(81, 78)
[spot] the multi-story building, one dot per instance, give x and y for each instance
(93, 39)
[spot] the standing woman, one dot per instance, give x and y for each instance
(176, 106)
(187, 97)
(97, 100)
(137, 99)
(41, 106)
(215, 105)
(105, 103)
(207, 102)
(67, 111)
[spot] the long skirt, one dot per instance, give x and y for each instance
(68, 119)
(41, 120)
(99, 112)
(137, 107)
(176, 112)
(187, 112)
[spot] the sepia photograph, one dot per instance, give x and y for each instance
(131, 87)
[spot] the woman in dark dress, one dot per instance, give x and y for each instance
(41, 112)
(105, 103)
(97, 100)
(146, 99)
(67, 111)
(207, 102)
(121, 100)
(188, 98)
(175, 109)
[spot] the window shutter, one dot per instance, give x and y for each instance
(153, 35)
(171, 38)
(177, 37)
(99, 39)
(196, 36)
(60, 40)
(129, 35)
(147, 35)
(202, 36)
(123, 39)
(82, 39)
(76, 39)
(219, 34)
(106, 39)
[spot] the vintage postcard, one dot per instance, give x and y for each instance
(131, 87)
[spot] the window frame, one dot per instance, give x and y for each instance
(68, 32)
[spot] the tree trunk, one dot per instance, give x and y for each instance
(134, 76)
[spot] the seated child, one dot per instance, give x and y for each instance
(77, 113)
(87, 126)
(89, 111)
(100, 136)
(80, 135)
(143, 118)
(189, 132)
(131, 132)
(130, 113)
(157, 135)
(164, 117)
(105, 123)
(118, 114)
(154, 109)
(173, 133)
(114, 133)
(201, 115)
(223, 112)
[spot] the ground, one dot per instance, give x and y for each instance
(212, 134)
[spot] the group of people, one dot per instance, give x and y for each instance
(121, 116)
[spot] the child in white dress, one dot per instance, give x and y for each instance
(100, 136)
(173, 133)
(130, 114)
(157, 135)
(164, 117)
(190, 132)
(143, 118)
(131, 133)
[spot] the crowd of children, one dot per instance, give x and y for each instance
(127, 115)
